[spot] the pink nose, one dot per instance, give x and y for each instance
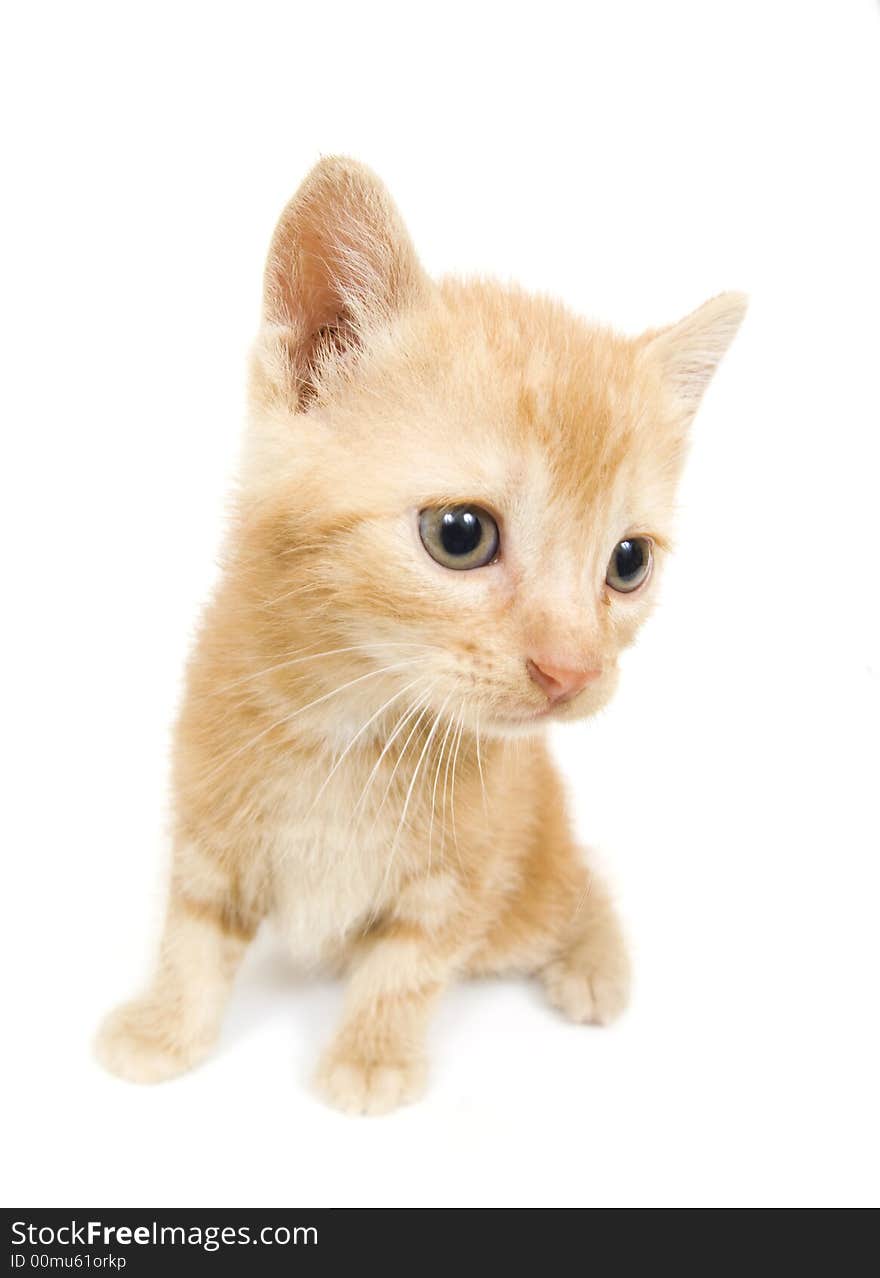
(558, 682)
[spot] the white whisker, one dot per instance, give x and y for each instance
(360, 732)
(452, 790)
(295, 659)
(434, 791)
(371, 674)
(400, 824)
(480, 770)
(400, 725)
(306, 588)
(397, 763)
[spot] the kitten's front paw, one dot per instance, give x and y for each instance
(137, 1043)
(589, 986)
(369, 1087)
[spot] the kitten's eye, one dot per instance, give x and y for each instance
(630, 564)
(459, 536)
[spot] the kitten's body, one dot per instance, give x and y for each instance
(359, 753)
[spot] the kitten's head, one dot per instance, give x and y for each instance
(463, 486)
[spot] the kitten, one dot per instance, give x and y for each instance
(455, 503)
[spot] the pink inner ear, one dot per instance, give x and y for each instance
(303, 294)
(303, 275)
(340, 254)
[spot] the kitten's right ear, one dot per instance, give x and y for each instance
(340, 263)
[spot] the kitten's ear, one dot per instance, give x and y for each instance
(689, 352)
(340, 262)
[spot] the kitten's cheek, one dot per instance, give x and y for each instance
(609, 684)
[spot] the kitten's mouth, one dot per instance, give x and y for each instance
(553, 711)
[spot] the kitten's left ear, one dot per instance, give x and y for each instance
(689, 352)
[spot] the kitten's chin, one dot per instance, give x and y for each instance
(508, 728)
(528, 721)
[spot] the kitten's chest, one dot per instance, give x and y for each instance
(337, 848)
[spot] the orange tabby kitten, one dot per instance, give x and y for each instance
(454, 507)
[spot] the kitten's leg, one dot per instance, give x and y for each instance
(175, 1023)
(555, 917)
(377, 1059)
(561, 926)
(588, 978)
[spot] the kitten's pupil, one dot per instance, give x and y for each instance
(629, 558)
(460, 532)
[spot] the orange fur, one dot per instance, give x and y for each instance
(360, 752)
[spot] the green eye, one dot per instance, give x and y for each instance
(630, 564)
(459, 537)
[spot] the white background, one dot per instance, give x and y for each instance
(633, 158)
